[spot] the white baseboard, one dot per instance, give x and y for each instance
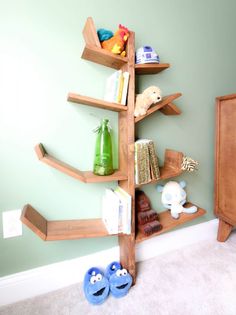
(24, 285)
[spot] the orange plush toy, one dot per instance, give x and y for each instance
(116, 44)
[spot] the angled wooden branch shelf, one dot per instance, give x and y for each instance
(168, 223)
(150, 68)
(80, 99)
(171, 167)
(165, 106)
(95, 53)
(63, 229)
(84, 176)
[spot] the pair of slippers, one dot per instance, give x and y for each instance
(97, 285)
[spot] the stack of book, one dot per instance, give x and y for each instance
(117, 87)
(146, 162)
(116, 211)
(146, 218)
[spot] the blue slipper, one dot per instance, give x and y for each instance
(120, 280)
(96, 286)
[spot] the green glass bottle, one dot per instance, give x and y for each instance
(103, 164)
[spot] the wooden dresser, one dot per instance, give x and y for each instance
(225, 165)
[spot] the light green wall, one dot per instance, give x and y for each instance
(40, 47)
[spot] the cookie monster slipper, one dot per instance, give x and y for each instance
(96, 286)
(120, 280)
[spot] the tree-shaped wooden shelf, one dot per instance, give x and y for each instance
(165, 106)
(63, 229)
(84, 176)
(168, 223)
(75, 229)
(80, 99)
(171, 168)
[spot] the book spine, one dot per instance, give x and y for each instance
(142, 165)
(155, 171)
(125, 88)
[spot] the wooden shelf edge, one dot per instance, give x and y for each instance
(84, 176)
(150, 68)
(170, 109)
(90, 33)
(103, 57)
(85, 100)
(64, 229)
(168, 223)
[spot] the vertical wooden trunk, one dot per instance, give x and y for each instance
(126, 159)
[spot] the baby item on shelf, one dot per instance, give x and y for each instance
(174, 197)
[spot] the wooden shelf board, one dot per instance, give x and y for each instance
(103, 57)
(169, 223)
(150, 68)
(80, 99)
(84, 176)
(165, 106)
(64, 229)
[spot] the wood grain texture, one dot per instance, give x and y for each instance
(90, 33)
(166, 101)
(225, 167)
(64, 229)
(224, 230)
(151, 68)
(83, 176)
(35, 221)
(169, 223)
(103, 57)
(126, 159)
(80, 99)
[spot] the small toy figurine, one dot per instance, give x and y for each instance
(174, 197)
(146, 54)
(96, 286)
(120, 280)
(116, 44)
(151, 95)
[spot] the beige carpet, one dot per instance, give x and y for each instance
(198, 280)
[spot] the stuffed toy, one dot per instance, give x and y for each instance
(120, 280)
(151, 95)
(96, 286)
(116, 44)
(104, 34)
(174, 197)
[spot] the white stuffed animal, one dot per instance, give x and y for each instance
(151, 95)
(174, 197)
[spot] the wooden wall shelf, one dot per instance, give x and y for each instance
(95, 53)
(171, 168)
(85, 100)
(103, 57)
(150, 68)
(168, 223)
(84, 176)
(64, 229)
(165, 106)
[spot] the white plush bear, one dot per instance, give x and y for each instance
(174, 197)
(151, 95)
